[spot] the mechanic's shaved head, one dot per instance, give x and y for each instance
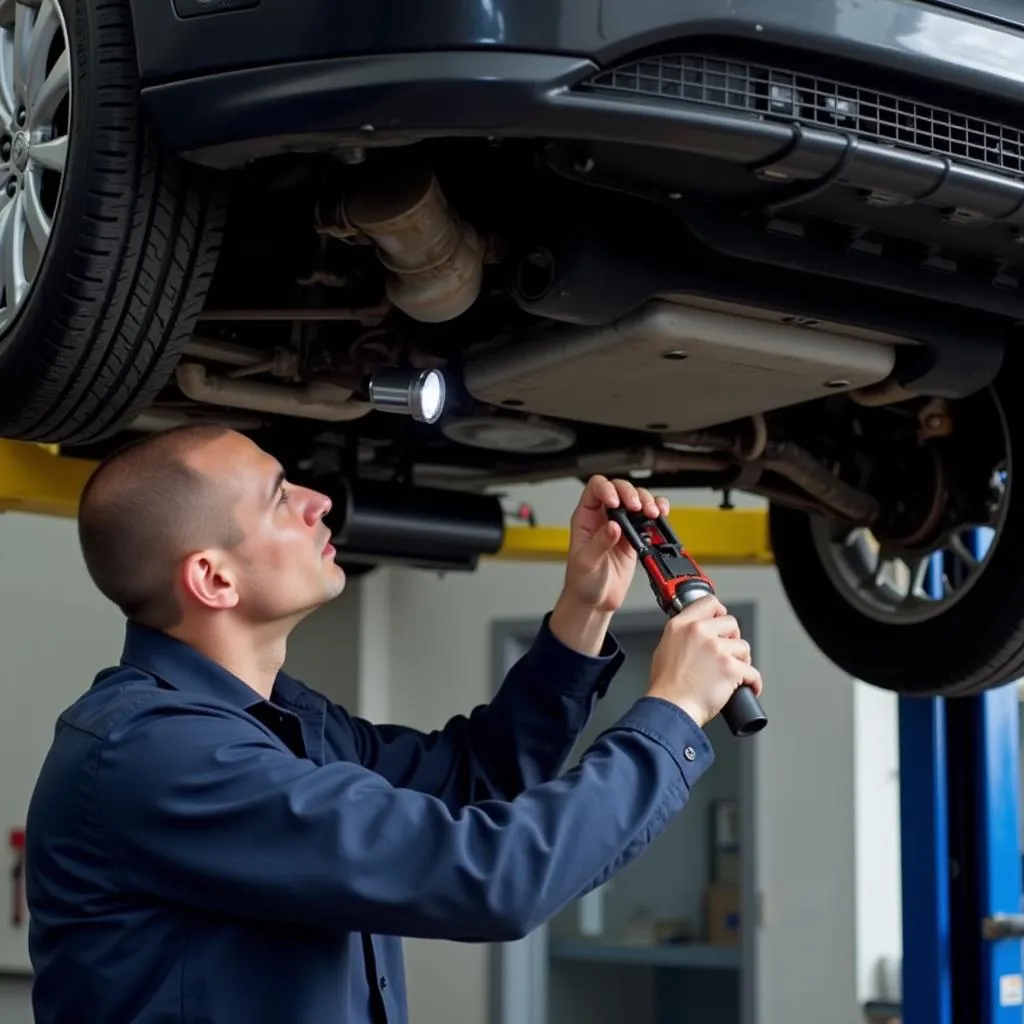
(143, 510)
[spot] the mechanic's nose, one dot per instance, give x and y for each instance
(317, 507)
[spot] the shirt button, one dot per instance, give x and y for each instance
(690, 754)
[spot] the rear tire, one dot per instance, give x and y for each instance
(975, 643)
(131, 253)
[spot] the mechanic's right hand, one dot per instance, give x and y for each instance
(702, 660)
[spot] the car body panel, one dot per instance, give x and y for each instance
(927, 39)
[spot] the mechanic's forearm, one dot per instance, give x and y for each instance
(529, 859)
(524, 735)
(579, 626)
(519, 739)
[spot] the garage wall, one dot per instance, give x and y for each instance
(877, 830)
(45, 662)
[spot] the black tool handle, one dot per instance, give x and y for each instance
(742, 713)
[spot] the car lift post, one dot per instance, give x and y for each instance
(961, 853)
(959, 774)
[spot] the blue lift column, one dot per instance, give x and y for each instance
(961, 855)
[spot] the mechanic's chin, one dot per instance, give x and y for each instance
(335, 573)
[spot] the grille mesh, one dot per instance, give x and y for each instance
(788, 96)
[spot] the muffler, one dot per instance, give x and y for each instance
(431, 529)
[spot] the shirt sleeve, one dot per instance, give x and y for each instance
(518, 740)
(207, 811)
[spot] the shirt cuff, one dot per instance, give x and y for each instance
(570, 672)
(668, 724)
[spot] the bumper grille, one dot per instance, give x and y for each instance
(787, 96)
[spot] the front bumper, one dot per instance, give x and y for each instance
(227, 85)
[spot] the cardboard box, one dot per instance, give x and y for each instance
(726, 867)
(722, 905)
(724, 841)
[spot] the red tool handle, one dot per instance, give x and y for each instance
(678, 581)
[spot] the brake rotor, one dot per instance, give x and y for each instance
(914, 521)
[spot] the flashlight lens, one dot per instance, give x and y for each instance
(409, 392)
(431, 396)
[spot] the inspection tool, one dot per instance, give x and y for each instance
(677, 581)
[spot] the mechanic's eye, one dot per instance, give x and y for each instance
(283, 500)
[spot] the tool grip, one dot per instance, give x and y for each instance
(742, 713)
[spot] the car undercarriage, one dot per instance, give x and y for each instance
(715, 262)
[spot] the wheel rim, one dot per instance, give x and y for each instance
(35, 121)
(900, 587)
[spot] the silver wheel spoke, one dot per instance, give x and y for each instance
(35, 113)
(43, 106)
(7, 100)
(919, 575)
(5, 243)
(12, 253)
(23, 18)
(963, 552)
(46, 26)
(35, 216)
(50, 154)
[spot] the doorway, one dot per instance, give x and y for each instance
(666, 940)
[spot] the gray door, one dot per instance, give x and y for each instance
(658, 943)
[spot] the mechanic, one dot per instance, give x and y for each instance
(211, 840)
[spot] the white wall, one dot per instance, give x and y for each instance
(54, 636)
(877, 829)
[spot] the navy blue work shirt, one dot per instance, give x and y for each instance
(198, 855)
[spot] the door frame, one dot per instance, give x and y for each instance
(518, 981)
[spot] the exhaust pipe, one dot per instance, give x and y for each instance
(316, 400)
(430, 529)
(434, 258)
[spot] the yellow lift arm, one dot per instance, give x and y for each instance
(37, 479)
(737, 536)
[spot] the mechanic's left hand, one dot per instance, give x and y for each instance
(601, 562)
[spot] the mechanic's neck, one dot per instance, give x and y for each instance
(253, 653)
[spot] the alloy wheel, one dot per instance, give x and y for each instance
(35, 122)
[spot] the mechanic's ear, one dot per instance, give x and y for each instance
(209, 580)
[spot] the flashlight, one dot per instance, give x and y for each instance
(409, 392)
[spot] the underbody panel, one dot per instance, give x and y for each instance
(672, 368)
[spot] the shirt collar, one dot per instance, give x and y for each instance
(184, 668)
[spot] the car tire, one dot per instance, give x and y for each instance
(974, 644)
(133, 242)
